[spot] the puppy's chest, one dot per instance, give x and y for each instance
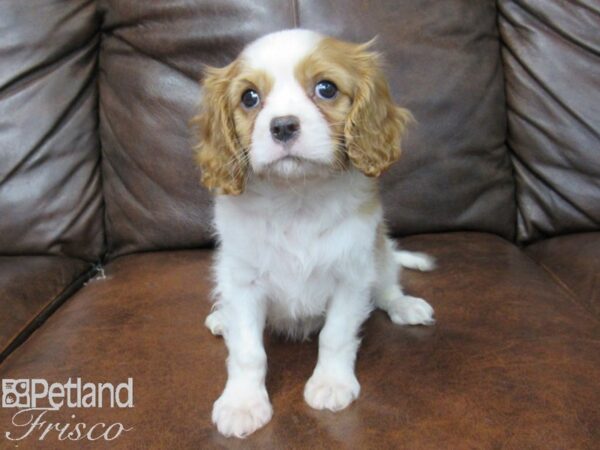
(297, 267)
(296, 252)
(298, 249)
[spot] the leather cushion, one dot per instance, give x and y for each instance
(443, 64)
(29, 284)
(512, 362)
(50, 190)
(150, 62)
(574, 261)
(550, 55)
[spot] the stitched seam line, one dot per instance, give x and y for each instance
(561, 284)
(507, 131)
(295, 13)
(45, 312)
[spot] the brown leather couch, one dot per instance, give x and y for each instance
(106, 243)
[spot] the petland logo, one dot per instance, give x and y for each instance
(35, 400)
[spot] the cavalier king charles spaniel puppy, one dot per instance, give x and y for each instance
(292, 137)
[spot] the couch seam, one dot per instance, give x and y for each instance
(104, 253)
(45, 312)
(565, 287)
(295, 13)
(509, 155)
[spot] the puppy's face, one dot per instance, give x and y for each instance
(296, 105)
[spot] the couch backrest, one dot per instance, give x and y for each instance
(443, 62)
(552, 67)
(151, 59)
(122, 77)
(50, 187)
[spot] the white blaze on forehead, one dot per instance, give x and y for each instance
(278, 53)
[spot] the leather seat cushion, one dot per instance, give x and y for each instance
(574, 260)
(511, 362)
(29, 285)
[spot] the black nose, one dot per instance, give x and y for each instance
(285, 128)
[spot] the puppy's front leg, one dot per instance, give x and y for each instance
(333, 384)
(244, 405)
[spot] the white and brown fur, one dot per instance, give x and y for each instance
(302, 241)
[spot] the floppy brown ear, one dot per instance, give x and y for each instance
(375, 124)
(218, 151)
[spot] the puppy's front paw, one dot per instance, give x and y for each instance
(240, 412)
(408, 310)
(331, 391)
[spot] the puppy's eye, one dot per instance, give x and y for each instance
(326, 89)
(250, 98)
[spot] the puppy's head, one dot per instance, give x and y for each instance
(295, 105)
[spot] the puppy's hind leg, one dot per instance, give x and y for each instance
(402, 309)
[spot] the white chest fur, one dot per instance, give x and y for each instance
(296, 244)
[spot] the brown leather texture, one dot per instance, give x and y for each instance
(96, 164)
(50, 189)
(443, 64)
(574, 262)
(455, 173)
(151, 59)
(550, 52)
(512, 362)
(28, 284)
